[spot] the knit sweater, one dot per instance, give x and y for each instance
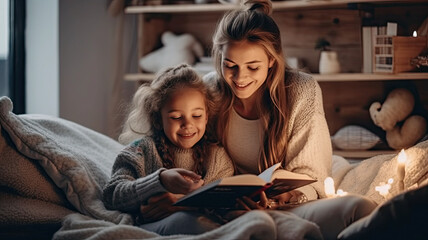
(309, 147)
(135, 173)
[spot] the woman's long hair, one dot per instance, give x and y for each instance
(253, 23)
(145, 115)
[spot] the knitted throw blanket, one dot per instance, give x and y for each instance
(362, 178)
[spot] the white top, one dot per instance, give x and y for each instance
(244, 142)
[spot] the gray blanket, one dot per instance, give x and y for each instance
(78, 161)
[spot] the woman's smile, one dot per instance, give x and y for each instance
(242, 85)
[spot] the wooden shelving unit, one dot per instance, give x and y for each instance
(346, 95)
(277, 6)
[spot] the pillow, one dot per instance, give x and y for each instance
(77, 159)
(402, 217)
(354, 137)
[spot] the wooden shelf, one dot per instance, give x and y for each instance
(277, 6)
(348, 77)
(341, 77)
(345, 95)
(363, 154)
(180, 8)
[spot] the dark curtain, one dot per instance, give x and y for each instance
(17, 55)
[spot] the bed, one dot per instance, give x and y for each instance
(53, 171)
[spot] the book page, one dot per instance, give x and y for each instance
(243, 180)
(267, 174)
(284, 174)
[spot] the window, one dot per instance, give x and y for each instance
(4, 47)
(12, 53)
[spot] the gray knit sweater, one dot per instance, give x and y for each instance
(135, 173)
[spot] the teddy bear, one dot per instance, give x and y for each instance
(176, 49)
(403, 130)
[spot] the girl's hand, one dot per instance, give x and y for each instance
(179, 180)
(160, 206)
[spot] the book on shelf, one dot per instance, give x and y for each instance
(224, 192)
(391, 29)
(368, 39)
(367, 49)
(374, 35)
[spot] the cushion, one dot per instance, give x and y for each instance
(77, 160)
(353, 137)
(402, 217)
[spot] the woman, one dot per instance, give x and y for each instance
(271, 114)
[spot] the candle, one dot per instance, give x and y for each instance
(415, 34)
(383, 188)
(329, 187)
(401, 171)
(341, 193)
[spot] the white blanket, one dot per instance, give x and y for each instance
(252, 225)
(362, 178)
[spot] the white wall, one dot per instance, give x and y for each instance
(42, 71)
(88, 63)
(72, 59)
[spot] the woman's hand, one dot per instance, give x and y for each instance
(247, 203)
(179, 180)
(160, 206)
(282, 201)
(293, 197)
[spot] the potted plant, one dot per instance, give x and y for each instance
(328, 59)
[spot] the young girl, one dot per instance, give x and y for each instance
(175, 156)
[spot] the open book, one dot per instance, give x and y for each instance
(224, 192)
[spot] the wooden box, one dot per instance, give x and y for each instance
(392, 54)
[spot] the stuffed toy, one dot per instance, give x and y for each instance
(402, 130)
(176, 49)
